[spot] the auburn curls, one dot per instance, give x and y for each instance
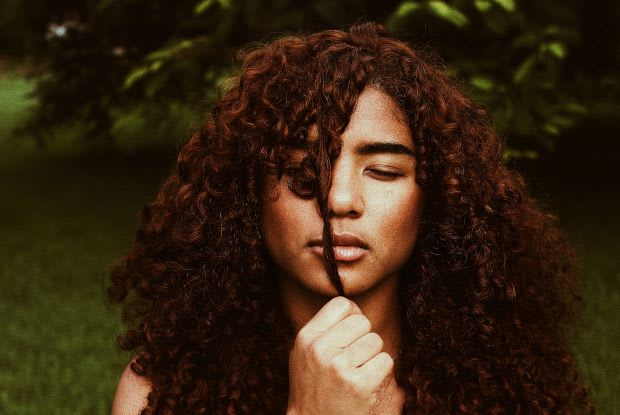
(488, 298)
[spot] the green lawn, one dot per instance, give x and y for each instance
(591, 220)
(63, 220)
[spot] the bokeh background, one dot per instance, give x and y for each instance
(97, 95)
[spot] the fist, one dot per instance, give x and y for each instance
(336, 365)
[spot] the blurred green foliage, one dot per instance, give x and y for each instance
(539, 66)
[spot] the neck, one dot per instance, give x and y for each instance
(379, 304)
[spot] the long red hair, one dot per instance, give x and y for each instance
(488, 297)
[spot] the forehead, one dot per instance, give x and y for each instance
(376, 117)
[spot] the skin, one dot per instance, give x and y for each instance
(343, 344)
(385, 212)
(131, 393)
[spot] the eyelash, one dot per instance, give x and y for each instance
(387, 174)
(292, 170)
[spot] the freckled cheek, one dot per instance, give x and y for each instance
(289, 223)
(399, 214)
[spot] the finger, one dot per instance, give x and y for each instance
(346, 331)
(343, 333)
(376, 370)
(331, 313)
(362, 350)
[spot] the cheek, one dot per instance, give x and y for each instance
(401, 213)
(287, 222)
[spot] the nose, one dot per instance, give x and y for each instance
(345, 197)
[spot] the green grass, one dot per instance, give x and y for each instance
(591, 221)
(62, 227)
(63, 220)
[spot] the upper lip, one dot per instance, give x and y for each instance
(345, 239)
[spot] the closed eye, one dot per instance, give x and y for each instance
(383, 173)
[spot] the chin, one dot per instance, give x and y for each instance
(358, 286)
(356, 282)
(352, 291)
(316, 285)
(352, 283)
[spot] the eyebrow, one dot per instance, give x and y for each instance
(378, 147)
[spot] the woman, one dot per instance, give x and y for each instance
(341, 237)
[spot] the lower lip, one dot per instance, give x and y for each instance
(344, 253)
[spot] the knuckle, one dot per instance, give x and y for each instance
(375, 340)
(386, 360)
(361, 321)
(316, 351)
(367, 324)
(342, 303)
(302, 339)
(339, 362)
(336, 376)
(337, 370)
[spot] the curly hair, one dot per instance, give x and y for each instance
(489, 298)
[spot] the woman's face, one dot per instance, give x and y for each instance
(373, 197)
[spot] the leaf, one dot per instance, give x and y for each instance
(551, 129)
(562, 121)
(524, 69)
(508, 5)
(169, 52)
(134, 76)
(575, 108)
(451, 72)
(483, 83)
(449, 13)
(161, 54)
(557, 49)
(406, 8)
(567, 34)
(513, 153)
(483, 5)
(553, 30)
(155, 66)
(203, 6)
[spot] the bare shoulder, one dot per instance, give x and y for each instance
(131, 393)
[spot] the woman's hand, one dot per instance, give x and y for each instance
(336, 366)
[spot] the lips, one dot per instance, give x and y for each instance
(342, 240)
(347, 247)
